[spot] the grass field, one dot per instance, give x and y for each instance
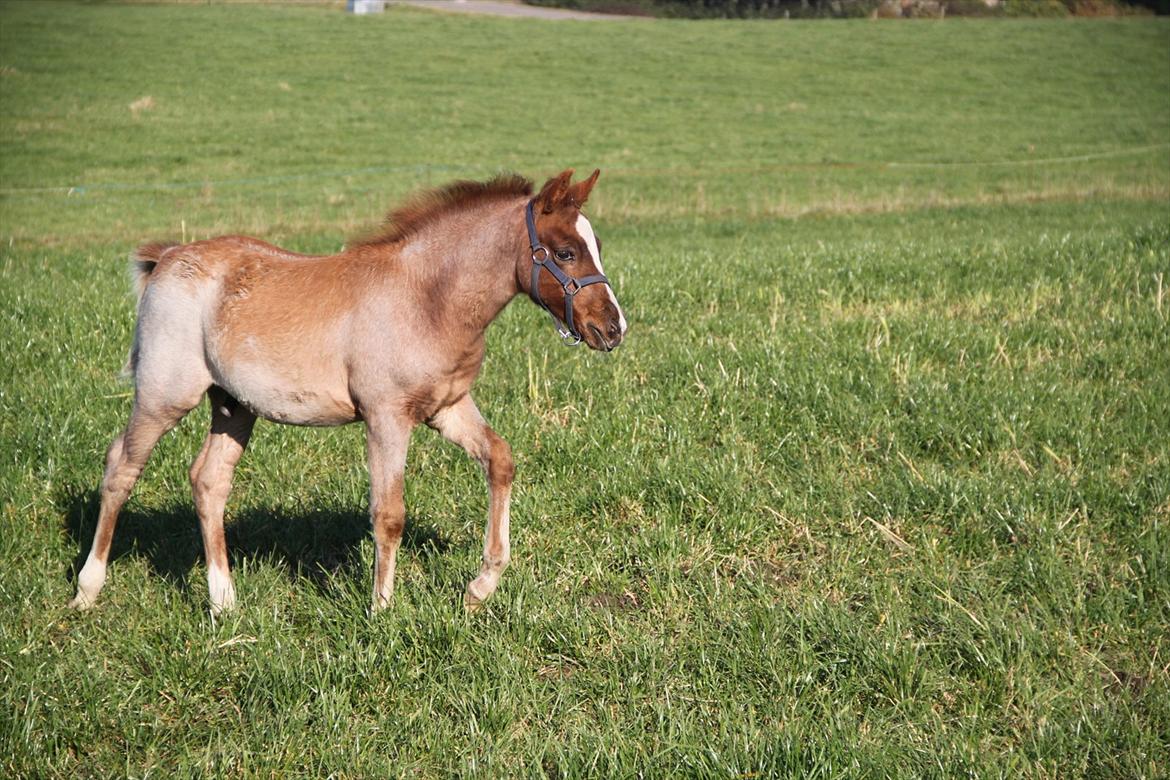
(879, 484)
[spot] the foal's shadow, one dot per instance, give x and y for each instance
(312, 544)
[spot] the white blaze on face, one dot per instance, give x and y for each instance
(585, 230)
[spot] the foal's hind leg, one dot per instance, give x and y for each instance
(124, 463)
(211, 482)
(463, 424)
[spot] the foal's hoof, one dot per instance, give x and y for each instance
(81, 602)
(222, 600)
(475, 596)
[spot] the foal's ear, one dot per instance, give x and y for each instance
(554, 192)
(579, 192)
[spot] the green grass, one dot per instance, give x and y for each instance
(878, 486)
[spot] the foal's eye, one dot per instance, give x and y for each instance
(564, 255)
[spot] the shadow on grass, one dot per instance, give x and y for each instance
(314, 544)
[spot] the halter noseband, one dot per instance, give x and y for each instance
(543, 258)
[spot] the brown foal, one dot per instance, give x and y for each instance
(390, 331)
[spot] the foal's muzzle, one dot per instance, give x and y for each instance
(604, 336)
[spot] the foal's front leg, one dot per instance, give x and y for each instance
(386, 443)
(462, 424)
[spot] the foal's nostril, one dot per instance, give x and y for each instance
(614, 331)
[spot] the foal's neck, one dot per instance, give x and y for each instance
(470, 261)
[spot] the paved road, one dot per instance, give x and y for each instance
(506, 8)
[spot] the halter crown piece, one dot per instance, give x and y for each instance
(543, 258)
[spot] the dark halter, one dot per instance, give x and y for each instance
(543, 258)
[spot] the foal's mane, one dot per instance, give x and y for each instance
(425, 208)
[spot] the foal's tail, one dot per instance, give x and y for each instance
(142, 263)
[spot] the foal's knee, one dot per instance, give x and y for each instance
(500, 467)
(388, 516)
(388, 527)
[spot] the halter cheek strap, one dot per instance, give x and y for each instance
(542, 258)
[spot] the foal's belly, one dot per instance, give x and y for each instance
(303, 405)
(290, 393)
(295, 404)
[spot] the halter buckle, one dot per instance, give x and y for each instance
(540, 254)
(568, 339)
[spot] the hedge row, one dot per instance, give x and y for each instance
(814, 9)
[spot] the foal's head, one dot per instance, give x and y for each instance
(571, 284)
